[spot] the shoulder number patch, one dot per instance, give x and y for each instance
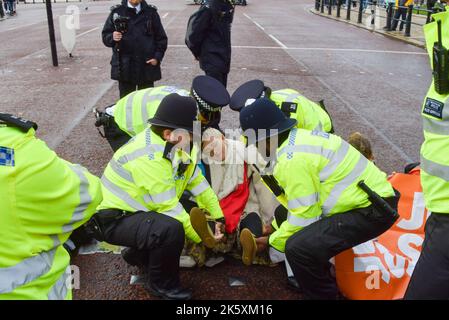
(6, 157)
(433, 108)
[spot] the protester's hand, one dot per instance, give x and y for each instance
(117, 36)
(153, 62)
(267, 230)
(262, 244)
(219, 231)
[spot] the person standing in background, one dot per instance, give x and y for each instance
(208, 37)
(138, 40)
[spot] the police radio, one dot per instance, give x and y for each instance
(440, 65)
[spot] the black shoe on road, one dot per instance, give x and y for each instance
(169, 294)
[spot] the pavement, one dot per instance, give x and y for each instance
(369, 83)
(374, 18)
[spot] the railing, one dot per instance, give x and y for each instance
(392, 15)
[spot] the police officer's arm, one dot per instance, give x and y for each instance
(156, 178)
(197, 29)
(108, 30)
(302, 193)
(58, 196)
(160, 37)
(204, 195)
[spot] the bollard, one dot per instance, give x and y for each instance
(329, 7)
(338, 8)
(317, 5)
(359, 19)
(348, 10)
(408, 21)
(322, 6)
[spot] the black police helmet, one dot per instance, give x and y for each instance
(209, 93)
(175, 111)
(261, 116)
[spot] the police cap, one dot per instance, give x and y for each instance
(249, 90)
(210, 94)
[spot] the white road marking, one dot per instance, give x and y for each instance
(165, 15)
(88, 31)
(253, 21)
(54, 142)
(316, 49)
(283, 46)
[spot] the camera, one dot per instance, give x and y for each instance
(120, 23)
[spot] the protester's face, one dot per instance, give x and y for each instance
(215, 149)
(134, 3)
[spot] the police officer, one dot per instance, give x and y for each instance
(135, 33)
(430, 279)
(43, 199)
(142, 185)
(129, 115)
(211, 96)
(208, 37)
(309, 115)
(319, 175)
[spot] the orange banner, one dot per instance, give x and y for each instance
(381, 268)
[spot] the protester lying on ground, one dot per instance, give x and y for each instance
(245, 202)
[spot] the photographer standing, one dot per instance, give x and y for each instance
(135, 33)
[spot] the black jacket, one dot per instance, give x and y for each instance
(208, 35)
(144, 40)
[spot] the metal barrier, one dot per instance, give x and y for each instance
(392, 15)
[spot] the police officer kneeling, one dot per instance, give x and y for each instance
(141, 188)
(328, 213)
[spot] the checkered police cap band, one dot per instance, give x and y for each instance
(203, 105)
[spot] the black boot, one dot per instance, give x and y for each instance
(177, 293)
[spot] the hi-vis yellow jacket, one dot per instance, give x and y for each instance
(319, 173)
(309, 114)
(435, 115)
(140, 178)
(131, 113)
(43, 198)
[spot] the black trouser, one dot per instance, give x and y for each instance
(430, 279)
(253, 222)
(308, 251)
(400, 13)
(115, 136)
(157, 238)
(126, 88)
(220, 76)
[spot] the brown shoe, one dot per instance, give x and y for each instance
(200, 225)
(249, 247)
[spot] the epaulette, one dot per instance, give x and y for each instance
(153, 6)
(115, 7)
(18, 122)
